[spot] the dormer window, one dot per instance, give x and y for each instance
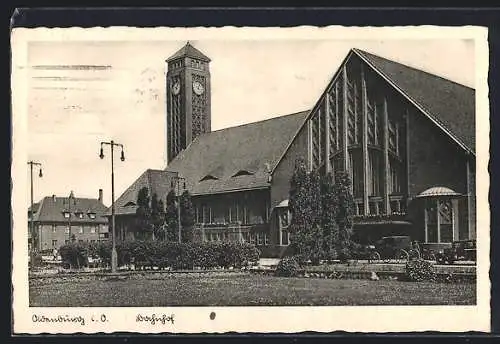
(208, 177)
(130, 204)
(243, 173)
(79, 214)
(91, 214)
(66, 214)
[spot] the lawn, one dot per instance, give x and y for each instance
(235, 290)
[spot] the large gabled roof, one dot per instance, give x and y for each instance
(156, 181)
(449, 104)
(189, 51)
(52, 208)
(236, 158)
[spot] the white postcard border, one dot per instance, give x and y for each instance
(248, 319)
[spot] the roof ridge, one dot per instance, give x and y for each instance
(414, 68)
(62, 197)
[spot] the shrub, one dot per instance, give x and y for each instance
(37, 260)
(420, 270)
(75, 254)
(165, 254)
(287, 267)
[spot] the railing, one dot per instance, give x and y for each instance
(376, 208)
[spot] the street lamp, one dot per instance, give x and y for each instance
(176, 182)
(32, 223)
(112, 144)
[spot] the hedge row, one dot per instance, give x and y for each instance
(163, 254)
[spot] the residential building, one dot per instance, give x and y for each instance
(60, 220)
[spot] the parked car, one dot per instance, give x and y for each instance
(399, 247)
(461, 250)
(429, 251)
(365, 252)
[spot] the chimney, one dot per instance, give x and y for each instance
(54, 198)
(100, 195)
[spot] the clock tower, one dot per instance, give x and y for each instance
(188, 98)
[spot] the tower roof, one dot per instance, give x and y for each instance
(189, 51)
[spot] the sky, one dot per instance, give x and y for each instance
(82, 93)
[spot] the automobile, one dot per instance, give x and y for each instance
(461, 250)
(400, 247)
(365, 252)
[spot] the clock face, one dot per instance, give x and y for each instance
(176, 88)
(198, 88)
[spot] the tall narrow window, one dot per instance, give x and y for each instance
(241, 212)
(395, 177)
(372, 124)
(234, 212)
(207, 218)
(356, 172)
(446, 220)
(284, 222)
(431, 213)
(316, 140)
(351, 115)
(375, 170)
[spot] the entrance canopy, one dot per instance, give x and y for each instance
(283, 204)
(437, 191)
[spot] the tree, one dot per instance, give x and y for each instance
(344, 213)
(143, 213)
(187, 216)
(300, 209)
(171, 222)
(315, 232)
(157, 217)
(328, 215)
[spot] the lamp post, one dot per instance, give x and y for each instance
(32, 224)
(176, 181)
(112, 144)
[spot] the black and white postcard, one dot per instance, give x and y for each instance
(206, 180)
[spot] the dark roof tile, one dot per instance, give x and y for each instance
(157, 181)
(189, 51)
(450, 104)
(51, 209)
(255, 147)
